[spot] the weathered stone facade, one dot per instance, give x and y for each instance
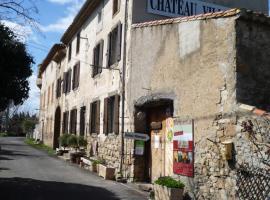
(197, 65)
(200, 67)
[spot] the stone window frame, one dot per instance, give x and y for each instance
(94, 118)
(114, 45)
(73, 121)
(98, 58)
(111, 115)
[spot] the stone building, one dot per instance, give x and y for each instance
(196, 68)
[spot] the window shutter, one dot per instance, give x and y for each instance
(74, 77)
(75, 122)
(90, 118)
(116, 114)
(109, 50)
(119, 41)
(78, 75)
(69, 80)
(105, 117)
(100, 59)
(64, 82)
(98, 117)
(94, 62)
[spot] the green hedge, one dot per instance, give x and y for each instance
(169, 182)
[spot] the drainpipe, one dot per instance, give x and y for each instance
(124, 87)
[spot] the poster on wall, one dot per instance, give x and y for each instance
(183, 149)
(139, 148)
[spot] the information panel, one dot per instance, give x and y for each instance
(183, 149)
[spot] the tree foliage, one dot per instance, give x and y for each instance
(15, 69)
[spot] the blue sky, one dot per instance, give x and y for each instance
(53, 19)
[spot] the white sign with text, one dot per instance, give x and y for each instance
(178, 8)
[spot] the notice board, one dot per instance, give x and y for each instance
(183, 149)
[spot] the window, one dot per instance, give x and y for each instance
(67, 82)
(82, 120)
(116, 6)
(73, 121)
(111, 115)
(65, 122)
(95, 117)
(78, 42)
(58, 87)
(100, 16)
(98, 59)
(76, 76)
(69, 51)
(114, 45)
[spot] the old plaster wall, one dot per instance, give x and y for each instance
(194, 64)
(253, 61)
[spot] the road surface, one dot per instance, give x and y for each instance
(30, 174)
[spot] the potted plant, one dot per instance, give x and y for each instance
(63, 140)
(73, 142)
(108, 173)
(167, 188)
(82, 142)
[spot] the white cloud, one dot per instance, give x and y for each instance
(63, 23)
(60, 1)
(23, 32)
(32, 103)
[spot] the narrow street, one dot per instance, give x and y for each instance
(30, 174)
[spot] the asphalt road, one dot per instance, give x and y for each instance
(30, 174)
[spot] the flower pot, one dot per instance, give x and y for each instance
(93, 167)
(165, 193)
(106, 172)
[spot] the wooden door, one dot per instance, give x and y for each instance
(157, 152)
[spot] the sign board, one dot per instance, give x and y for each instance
(139, 148)
(178, 8)
(137, 136)
(183, 149)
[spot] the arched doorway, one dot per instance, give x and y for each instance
(57, 125)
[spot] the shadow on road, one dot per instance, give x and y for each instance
(29, 189)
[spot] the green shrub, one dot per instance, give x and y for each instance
(169, 182)
(3, 135)
(82, 142)
(72, 141)
(63, 139)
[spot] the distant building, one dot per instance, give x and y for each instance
(193, 70)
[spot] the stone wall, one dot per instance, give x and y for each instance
(253, 61)
(109, 149)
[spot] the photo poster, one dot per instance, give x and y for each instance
(183, 149)
(139, 148)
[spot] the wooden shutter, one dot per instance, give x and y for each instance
(75, 122)
(105, 116)
(78, 75)
(74, 77)
(116, 114)
(119, 41)
(69, 80)
(90, 118)
(64, 82)
(100, 59)
(98, 117)
(109, 50)
(94, 63)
